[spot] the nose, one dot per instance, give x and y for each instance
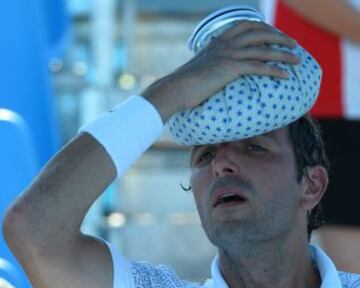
(222, 163)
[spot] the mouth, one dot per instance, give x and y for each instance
(223, 197)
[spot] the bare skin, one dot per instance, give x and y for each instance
(262, 238)
(338, 17)
(342, 244)
(49, 213)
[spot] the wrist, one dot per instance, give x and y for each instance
(162, 95)
(127, 131)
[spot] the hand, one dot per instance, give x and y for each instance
(241, 50)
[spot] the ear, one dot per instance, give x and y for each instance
(314, 186)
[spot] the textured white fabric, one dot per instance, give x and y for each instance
(250, 105)
(134, 123)
(130, 274)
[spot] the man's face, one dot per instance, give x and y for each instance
(246, 190)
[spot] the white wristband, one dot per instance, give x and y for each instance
(126, 131)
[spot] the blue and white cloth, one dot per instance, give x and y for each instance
(250, 105)
(130, 274)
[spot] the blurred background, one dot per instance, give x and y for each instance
(65, 62)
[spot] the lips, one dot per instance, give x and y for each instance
(227, 195)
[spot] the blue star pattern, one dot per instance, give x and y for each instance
(251, 105)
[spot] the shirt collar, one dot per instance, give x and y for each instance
(328, 273)
(327, 270)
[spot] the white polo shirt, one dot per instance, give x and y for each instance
(130, 274)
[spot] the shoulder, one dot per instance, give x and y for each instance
(135, 274)
(149, 275)
(349, 280)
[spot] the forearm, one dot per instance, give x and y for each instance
(51, 211)
(335, 16)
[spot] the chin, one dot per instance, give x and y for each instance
(221, 233)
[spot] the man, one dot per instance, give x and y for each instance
(252, 200)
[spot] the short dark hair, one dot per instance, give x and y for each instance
(309, 149)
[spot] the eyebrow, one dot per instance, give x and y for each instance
(271, 135)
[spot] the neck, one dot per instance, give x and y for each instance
(269, 265)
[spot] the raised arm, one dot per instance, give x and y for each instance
(43, 226)
(44, 223)
(336, 16)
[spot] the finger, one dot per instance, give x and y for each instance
(258, 38)
(258, 68)
(244, 26)
(263, 54)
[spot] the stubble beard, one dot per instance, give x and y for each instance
(259, 228)
(233, 234)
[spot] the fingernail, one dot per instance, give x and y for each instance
(297, 58)
(285, 74)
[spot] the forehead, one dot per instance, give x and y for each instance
(279, 136)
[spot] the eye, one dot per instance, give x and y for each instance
(256, 148)
(205, 156)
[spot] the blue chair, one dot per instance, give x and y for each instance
(18, 166)
(9, 275)
(26, 86)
